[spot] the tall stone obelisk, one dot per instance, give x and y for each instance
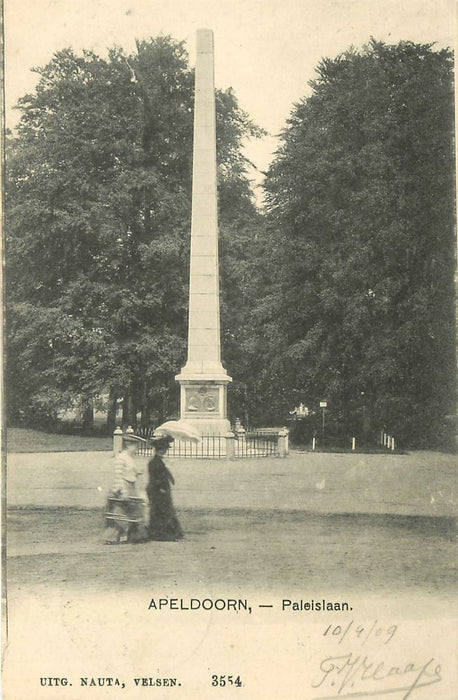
(203, 380)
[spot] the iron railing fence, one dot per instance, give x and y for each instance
(246, 445)
(256, 444)
(210, 446)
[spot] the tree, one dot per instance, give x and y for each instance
(98, 219)
(361, 218)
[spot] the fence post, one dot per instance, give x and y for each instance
(283, 442)
(117, 441)
(230, 445)
(313, 444)
(353, 444)
(130, 430)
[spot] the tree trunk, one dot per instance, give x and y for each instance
(131, 413)
(125, 410)
(111, 412)
(145, 417)
(87, 413)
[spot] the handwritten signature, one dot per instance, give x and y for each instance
(346, 672)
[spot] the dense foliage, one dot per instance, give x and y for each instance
(98, 204)
(343, 291)
(361, 219)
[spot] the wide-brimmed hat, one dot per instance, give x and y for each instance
(161, 441)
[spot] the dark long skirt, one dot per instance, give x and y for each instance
(163, 522)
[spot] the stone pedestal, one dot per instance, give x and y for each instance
(204, 404)
(203, 379)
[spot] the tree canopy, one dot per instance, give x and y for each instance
(341, 290)
(361, 217)
(98, 204)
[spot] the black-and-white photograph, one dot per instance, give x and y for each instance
(229, 341)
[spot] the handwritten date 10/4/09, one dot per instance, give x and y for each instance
(222, 681)
(361, 632)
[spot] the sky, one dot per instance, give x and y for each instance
(266, 50)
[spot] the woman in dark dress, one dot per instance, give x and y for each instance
(163, 522)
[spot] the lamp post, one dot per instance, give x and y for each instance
(323, 406)
(364, 416)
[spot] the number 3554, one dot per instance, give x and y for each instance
(221, 681)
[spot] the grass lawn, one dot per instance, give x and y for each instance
(27, 440)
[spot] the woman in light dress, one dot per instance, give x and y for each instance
(124, 520)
